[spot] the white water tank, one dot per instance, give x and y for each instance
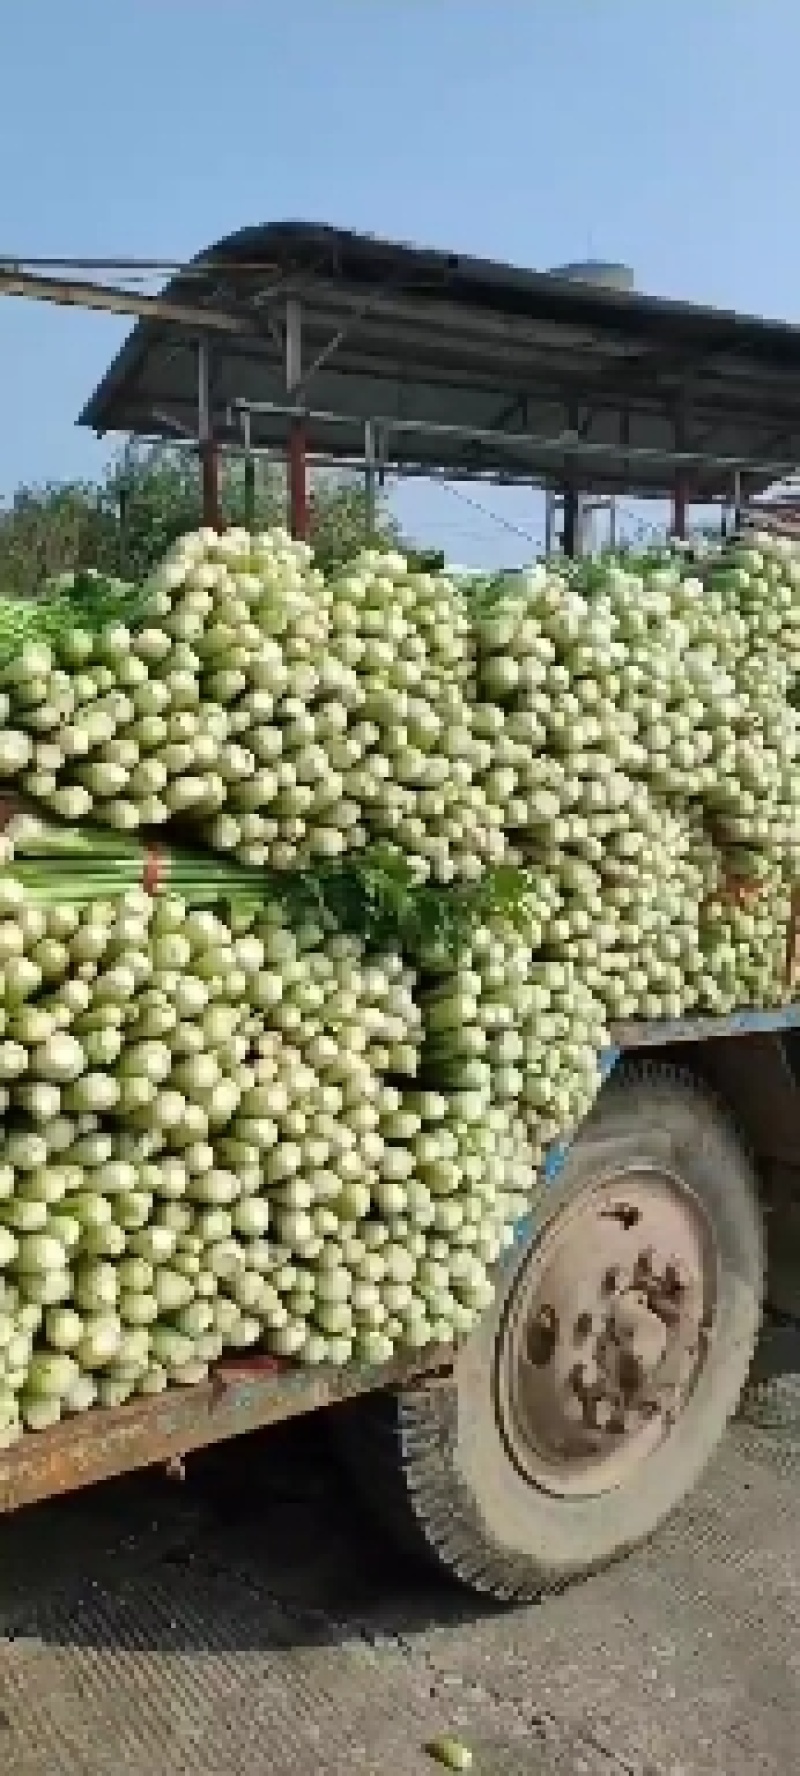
(606, 274)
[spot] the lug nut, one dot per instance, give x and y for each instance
(582, 1328)
(675, 1276)
(611, 1279)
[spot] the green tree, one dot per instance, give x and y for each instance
(44, 530)
(150, 495)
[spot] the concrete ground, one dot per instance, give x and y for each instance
(246, 1623)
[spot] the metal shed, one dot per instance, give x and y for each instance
(350, 349)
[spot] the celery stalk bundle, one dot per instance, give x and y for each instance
(79, 864)
(333, 889)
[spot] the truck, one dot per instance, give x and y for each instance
(592, 1395)
(628, 1310)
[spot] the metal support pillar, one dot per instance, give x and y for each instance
(209, 450)
(297, 454)
(123, 510)
(571, 534)
(680, 488)
(679, 511)
(249, 473)
(549, 521)
(124, 506)
(737, 499)
(298, 482)
(370, 478)
(212, 504)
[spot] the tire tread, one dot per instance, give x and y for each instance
(402, 1446)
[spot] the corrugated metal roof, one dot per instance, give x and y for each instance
(528, 376)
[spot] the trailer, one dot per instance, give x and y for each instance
(627, 1311)
(592, 1395)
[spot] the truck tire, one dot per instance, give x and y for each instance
(771, 1398)
(590, 1398)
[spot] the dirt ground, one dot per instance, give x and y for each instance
(246, 1623)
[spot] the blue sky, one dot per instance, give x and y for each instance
(530, 130)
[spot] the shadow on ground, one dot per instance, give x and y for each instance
(273, 1513)
(264, 1544)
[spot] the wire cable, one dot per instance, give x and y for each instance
(493, 517)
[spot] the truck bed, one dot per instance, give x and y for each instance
(255, 1391)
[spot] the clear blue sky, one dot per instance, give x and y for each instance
(529, 130)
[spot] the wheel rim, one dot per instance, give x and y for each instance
(606, 1332)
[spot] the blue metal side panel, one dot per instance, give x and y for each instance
(703, 1029)
(556, 1155)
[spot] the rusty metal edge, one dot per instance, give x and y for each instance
(237, 1398)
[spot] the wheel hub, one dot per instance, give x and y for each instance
(606, 1332)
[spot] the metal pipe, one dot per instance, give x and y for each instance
(124, 504)
(293, 365)
(410, 469)
(573, 515)
(249, 475)
(209, 451)
(298, 482)
(209, 470)
(203, 391)
(565, 443)
(297, 449)
(370, 495)
(75, 293)
(679, 511)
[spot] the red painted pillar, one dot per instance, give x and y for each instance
(209, 468)
(679, 511)
(298, 483)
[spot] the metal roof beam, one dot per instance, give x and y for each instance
(74, 293)
(453, 340)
